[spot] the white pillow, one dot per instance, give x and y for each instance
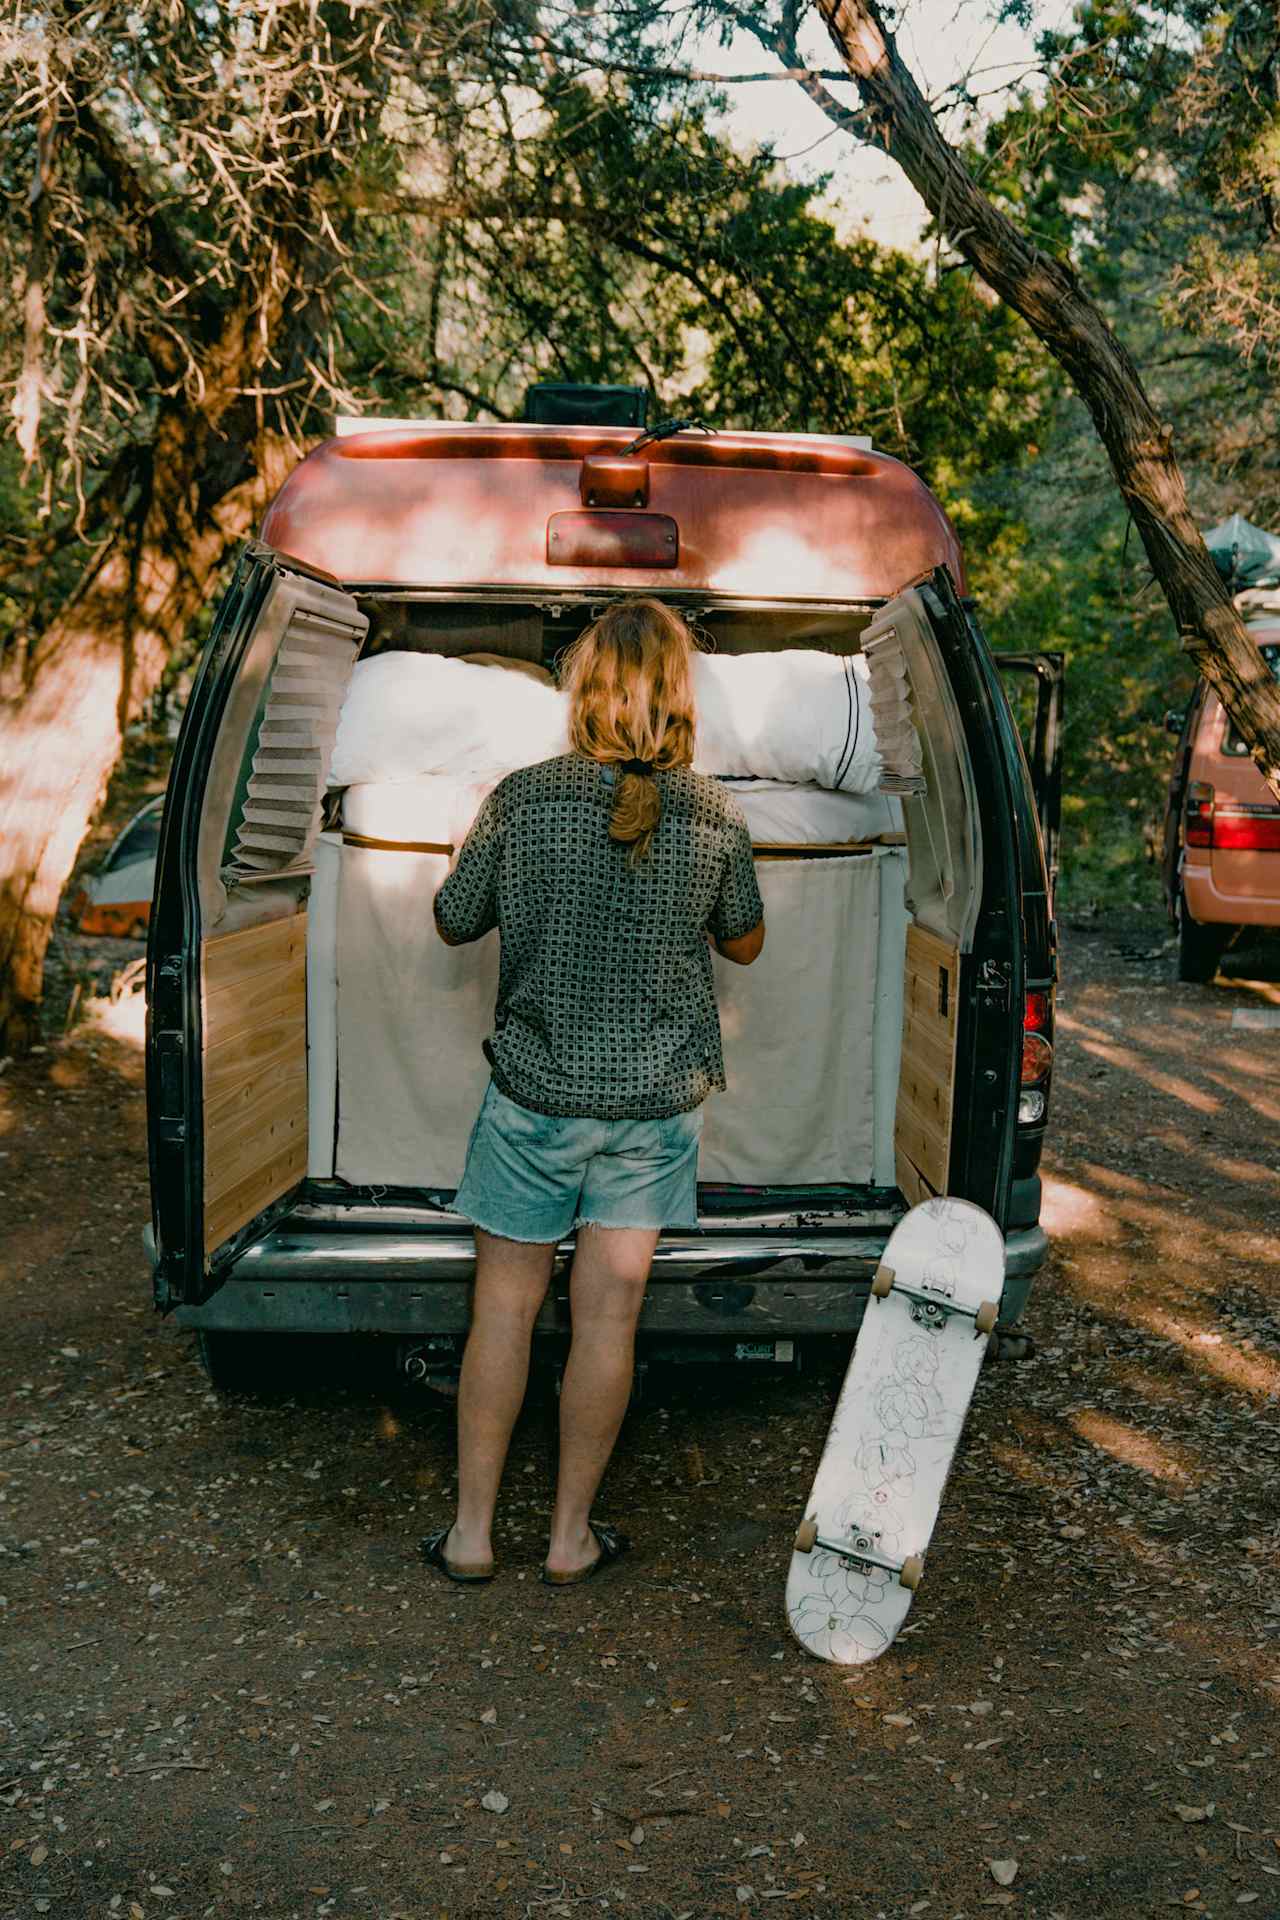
(799, 716)
(407, 714)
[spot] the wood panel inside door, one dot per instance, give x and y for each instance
(926, 1080)
(253, 992)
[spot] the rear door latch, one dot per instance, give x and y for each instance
(993, 982)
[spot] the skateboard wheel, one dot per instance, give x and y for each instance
(806, 1536)
(986, 1316)
(882, 1285)
(911, 1572)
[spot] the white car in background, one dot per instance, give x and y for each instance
(116, 899)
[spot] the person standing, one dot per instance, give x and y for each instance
(609, 872)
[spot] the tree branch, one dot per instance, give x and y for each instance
(1050, 298)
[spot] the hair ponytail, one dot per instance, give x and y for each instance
(631, 707)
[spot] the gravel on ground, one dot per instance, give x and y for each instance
(231, 1687)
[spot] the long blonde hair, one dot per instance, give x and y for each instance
(631, 698)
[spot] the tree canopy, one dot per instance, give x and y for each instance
(225, 222)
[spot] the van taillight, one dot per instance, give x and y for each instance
(1199, 828)
(1037, 1055)
(1246, 829)
(1038, 1017)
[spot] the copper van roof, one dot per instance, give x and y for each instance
(764, 515)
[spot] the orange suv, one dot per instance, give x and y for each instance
(1221, 864)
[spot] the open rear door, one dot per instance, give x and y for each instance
(1041, 736)
(226, 962)
(964, 984)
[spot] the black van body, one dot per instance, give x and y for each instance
(320, 1256)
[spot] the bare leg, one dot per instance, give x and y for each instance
(511, 1280)
(606, 1289)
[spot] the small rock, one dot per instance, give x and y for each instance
(1003, 1872)
(495, 1802)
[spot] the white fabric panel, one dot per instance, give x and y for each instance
(886, 1057)
(411, 713)
(411, 1016)
(797, 1029)
(782, 814)
(805, 1105)
(322, 1005)
(799, 715)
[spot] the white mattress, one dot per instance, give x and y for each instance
(811, 1031)
(433, 810)
(799, 715)
(782, 814)
(437, 810)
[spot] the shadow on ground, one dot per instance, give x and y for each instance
(231, 1687)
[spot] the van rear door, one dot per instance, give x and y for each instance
(1041, 738)
(966, 949)
(226, 959)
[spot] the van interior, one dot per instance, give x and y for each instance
(342, 1039)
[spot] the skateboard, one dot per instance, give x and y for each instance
(859, 1551)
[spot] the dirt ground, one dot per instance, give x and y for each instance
(230, 1686)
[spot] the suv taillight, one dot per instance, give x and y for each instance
(1246, 829)
(1037, 1056)
(1199, 827)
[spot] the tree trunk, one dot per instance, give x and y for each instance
(98, 663)
(1052, 301)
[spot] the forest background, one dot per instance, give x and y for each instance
(226, 223)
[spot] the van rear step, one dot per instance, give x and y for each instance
(868, 1205)
(335, 1203)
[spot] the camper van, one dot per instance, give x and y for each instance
(314, 1052)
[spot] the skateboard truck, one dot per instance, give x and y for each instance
(933, 1310)
(859, 1551)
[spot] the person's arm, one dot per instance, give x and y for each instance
(746, 949)
(736, 925)
(466, 902)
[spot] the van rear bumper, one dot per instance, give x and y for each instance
(758, 1285)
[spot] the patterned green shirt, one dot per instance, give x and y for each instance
(606, 996)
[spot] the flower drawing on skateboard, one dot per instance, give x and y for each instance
(833, 1624)
(859, 1550)
(907, 1401)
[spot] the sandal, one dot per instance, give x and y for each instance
(612, 1547)
(432, 1551)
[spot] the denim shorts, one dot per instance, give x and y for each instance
(535, 1176)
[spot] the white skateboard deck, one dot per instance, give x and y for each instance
(875, 1497)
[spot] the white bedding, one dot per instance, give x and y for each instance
(811, 1031)
(780, 813)
(407, 714)
(431, 810)
(800, 716)
(437, 810)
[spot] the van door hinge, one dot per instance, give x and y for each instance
(993, 982)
